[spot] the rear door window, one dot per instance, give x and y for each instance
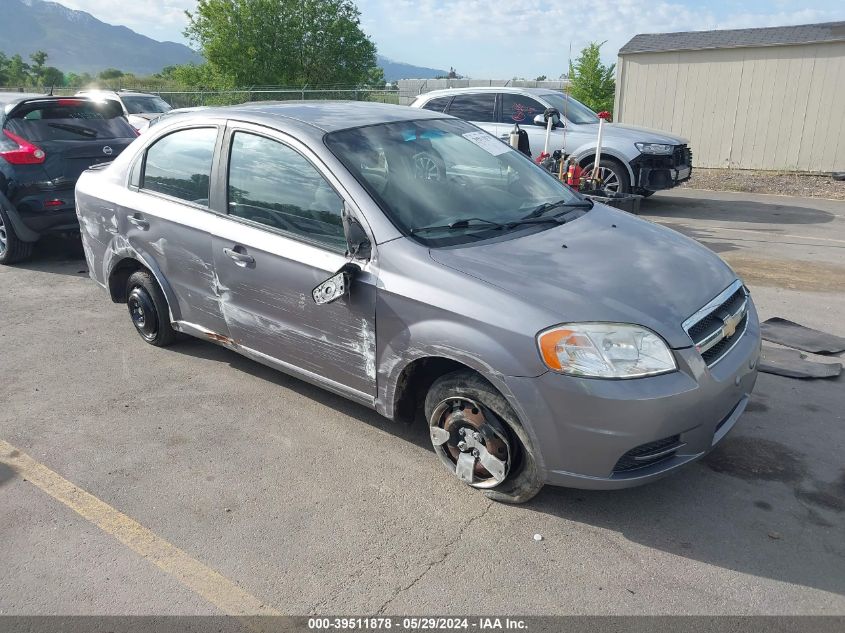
(477, 107)
(520, 109)
(69, 120)
(179, 164)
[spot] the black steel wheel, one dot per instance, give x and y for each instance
(148, 309)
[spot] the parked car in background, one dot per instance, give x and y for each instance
(45, 143)
(411, 262)
(138, 107)
(633, 159)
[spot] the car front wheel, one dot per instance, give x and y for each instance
(478, 438)
(612, 174)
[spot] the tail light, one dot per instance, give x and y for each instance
(19, 151)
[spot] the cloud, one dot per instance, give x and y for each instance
(159, 19)
(501, 39)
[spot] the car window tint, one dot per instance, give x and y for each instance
(179, 164)
(478, 107)
(437, 105)
(520, 109)
(69, 120)
(272, 184)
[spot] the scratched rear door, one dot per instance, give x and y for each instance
(282, 237)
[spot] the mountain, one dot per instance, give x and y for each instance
(76, 41)
(399, 70)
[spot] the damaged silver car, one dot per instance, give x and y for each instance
(417, 265)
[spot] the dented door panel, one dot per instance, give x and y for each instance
(268, 306)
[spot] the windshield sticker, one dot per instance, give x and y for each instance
(488, 143)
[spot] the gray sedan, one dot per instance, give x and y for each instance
(413, 263)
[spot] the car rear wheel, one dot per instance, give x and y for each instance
(12, 248)
(612, 174)
(477, 436)
(148, 309)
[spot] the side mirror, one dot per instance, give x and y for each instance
(541, 121)
(357, 241)
(335, 286)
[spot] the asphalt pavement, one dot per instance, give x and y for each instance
(138, 480)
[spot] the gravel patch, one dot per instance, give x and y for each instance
(784, 184)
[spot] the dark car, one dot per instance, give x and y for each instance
(46, 142)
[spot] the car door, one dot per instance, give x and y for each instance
(283, 237)
(521, 109)
(477, 108)
(166, 215)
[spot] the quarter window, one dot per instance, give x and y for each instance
(520, 109)
(272, 184)
(179, 164)
(480, 107)
(437, 105)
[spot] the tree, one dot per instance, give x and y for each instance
(591, 82)
(52, 76)
(111, 73)
(17, 71)
(541, 78)
(4, 69)
(282, 42)
(37, 68)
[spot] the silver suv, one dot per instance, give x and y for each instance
(632, 159)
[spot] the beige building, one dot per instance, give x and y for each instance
(771, 98)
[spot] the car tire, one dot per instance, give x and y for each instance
(523, 480)
(148, 309)
(12, 248)
(620, 174)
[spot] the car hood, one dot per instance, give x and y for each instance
(637, 134)
(606, 265)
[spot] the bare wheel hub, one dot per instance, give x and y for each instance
(471, 441)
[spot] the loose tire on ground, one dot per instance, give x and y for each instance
(523, 481)
(148, 309)
(12, 248)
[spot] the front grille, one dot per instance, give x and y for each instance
(710, 328)
(648, 454)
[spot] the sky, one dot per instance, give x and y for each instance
(503, 39)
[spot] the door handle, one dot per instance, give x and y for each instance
(139, 222)
(241, 259)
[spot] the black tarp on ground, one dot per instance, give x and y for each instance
(791, 334)
(792, 364)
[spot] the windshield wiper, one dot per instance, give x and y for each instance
(78, 129)
(548, 206)
(457, 224)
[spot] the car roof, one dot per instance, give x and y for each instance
(325, 116)
(115, 93)
(510, 89)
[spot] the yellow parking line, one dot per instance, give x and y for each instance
(212, 586)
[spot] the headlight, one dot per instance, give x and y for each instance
(654, 148)
(605, 350)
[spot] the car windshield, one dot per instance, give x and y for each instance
(145, 105)
(572, 110)
(446, 182)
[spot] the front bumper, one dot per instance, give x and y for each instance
(655, 172)
(589, 431)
